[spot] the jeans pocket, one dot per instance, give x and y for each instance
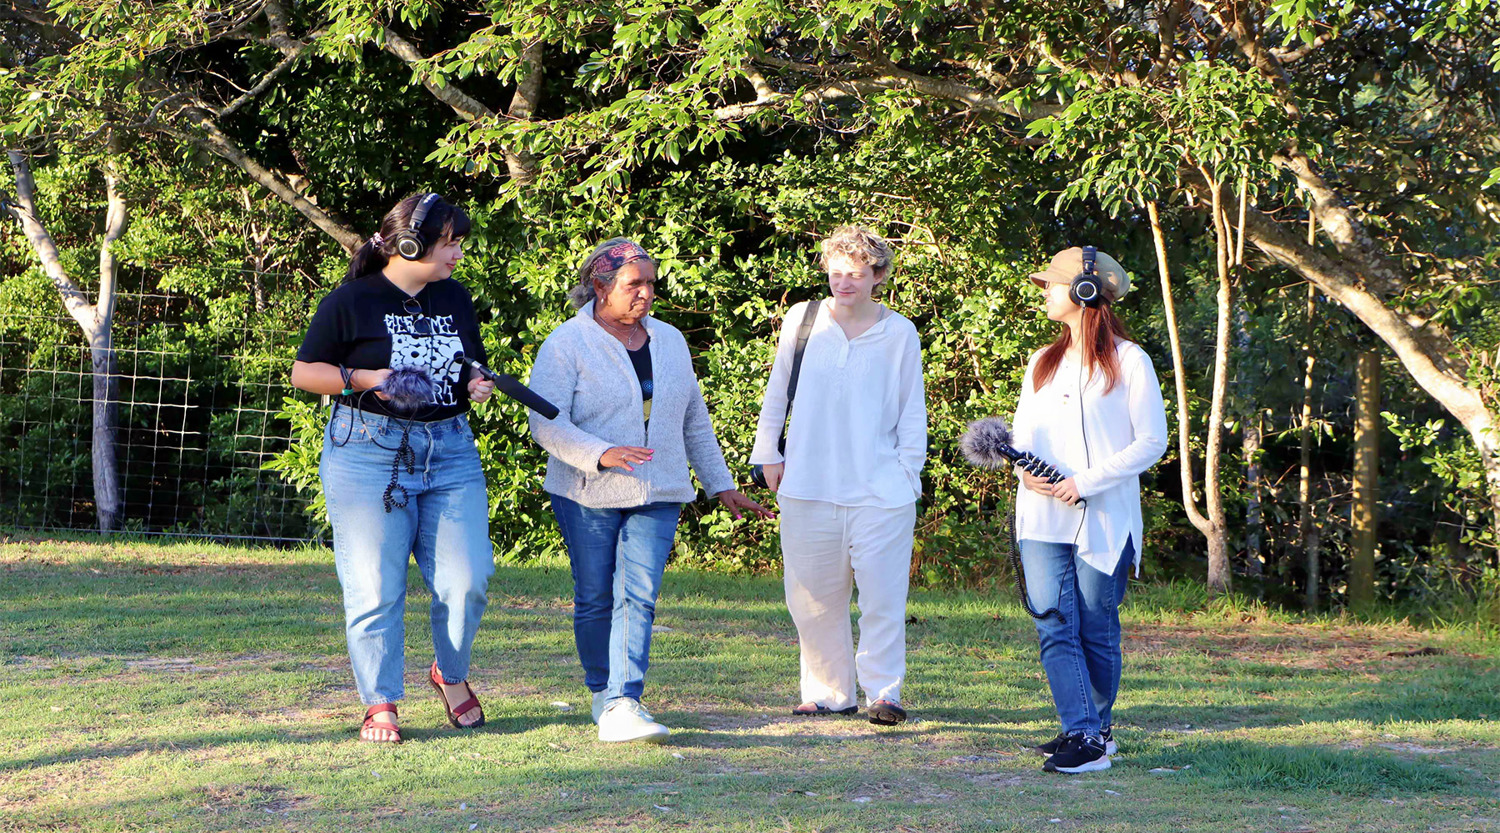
(350, 430)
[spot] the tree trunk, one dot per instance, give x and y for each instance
(1364, 513)
(1219, 571)
(107, 498)
(95, 319)
(1306, 523)
(1184, 420)
(1250, 442)
(1255, 563)
(1250, 435)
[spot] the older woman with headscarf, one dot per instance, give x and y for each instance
(632, 420)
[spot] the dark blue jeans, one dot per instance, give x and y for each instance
(1080, 652)
(618, 557)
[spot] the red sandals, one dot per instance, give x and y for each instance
(454, 711)
(384, 727)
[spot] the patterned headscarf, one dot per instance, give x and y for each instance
(616, 256)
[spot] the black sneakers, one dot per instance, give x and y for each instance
(1078, 753)
(1051, 746)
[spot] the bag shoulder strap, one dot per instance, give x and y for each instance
(804, 331)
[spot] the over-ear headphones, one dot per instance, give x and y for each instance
(408, 242)
(1086, 290)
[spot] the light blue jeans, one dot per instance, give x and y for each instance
(1081, 651)
(444, 526)
(618, 557)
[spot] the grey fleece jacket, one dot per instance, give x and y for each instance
(587, 374)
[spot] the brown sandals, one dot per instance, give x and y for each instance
(454, 711)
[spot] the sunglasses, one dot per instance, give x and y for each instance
(421, 325)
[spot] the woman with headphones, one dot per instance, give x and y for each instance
(399, 311)
(1092, 406)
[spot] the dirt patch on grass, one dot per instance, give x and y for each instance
(217, 798)
(1293, 646)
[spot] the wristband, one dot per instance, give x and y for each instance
(347, 374)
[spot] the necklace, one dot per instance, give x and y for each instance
(628, 334)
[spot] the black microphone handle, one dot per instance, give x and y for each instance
(1034, 465)
(512, 387)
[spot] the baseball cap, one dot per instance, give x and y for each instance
(1068, 264)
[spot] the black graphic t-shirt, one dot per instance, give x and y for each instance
(371, 324)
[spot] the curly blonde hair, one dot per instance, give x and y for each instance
(860, 244)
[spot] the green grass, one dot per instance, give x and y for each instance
(200, 688)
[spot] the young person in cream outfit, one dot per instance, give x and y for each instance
(849, 481)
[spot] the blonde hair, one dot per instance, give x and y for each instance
(584, 291)
(859, 244)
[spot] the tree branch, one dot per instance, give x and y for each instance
(1291, 56)
(522, 166)
(467, 107)
(523, 105)
(1345, 230)
(214, 140)
(280, 37)
(267, 79)
(888, 76)
(1424, 359)
(74, 300)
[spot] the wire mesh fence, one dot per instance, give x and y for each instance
(199, 385)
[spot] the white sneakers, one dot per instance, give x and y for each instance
(624, 720)
(600, 700)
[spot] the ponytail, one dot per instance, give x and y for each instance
(368, 259)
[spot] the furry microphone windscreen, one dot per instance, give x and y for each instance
(409, 388)
(981, 444)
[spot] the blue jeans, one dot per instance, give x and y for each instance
(618, 557)
(1081, 652)
(444, 525)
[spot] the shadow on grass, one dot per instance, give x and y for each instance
(249, 732)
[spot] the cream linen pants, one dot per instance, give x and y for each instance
(827, 550)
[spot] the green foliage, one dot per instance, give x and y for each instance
(1130, 145)
(728, 137)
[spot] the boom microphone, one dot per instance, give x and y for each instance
(987, 445)
(510, 386)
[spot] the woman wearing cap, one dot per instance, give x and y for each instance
(632, 419)
(1091, 405)
(849, 479)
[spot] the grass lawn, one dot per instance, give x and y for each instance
(192, 687)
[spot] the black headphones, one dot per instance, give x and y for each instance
(1086, 290)
(408, 242)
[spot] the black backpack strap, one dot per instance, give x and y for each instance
(804, 331)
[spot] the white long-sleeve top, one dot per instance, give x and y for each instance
(858, 434)
(1104, 441)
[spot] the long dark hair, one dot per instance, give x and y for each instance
(1098, 330)
(444, 220)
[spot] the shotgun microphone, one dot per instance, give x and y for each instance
(510, 386)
